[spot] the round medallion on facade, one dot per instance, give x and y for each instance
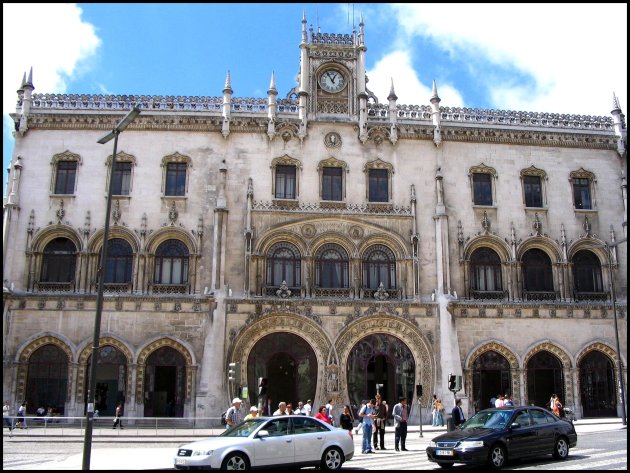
(308, 230)
(332, 140)
(355, 232)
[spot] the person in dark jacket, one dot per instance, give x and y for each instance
(457, 414)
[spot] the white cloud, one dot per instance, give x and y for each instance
(408, 88)
(576, 54)
(51, 38)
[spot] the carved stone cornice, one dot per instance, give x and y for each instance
(597, 140)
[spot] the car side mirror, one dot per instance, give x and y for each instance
(262, 434)
(515, 425)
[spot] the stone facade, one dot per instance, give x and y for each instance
(231, 216)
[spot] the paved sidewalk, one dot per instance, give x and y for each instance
(106, 457)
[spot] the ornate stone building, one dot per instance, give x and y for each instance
(326, 242)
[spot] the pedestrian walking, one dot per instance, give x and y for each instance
(301, 410)
(6, 415)
(21, 417)
(282, 409)
(401, 415)
(308, 407)
(321, 415)
(329, 411)
(440, 413)
(346, 420)
(457, 414)
(379, 423)
(118, 418)
(434, 411)
(367, 414)
(233, 415)
(253, 413)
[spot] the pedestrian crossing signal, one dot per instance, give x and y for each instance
(234, 372)
(452, 382)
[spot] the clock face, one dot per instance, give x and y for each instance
(332, 81)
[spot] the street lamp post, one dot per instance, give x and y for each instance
(87, 444)
(622, 390)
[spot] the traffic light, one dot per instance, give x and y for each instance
(234, 372)
(419, 390)
(458, 383)
(262, 386)
(452, 382)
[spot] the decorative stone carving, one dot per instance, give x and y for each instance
(61, 213)
(116, 213)
(381, 294)
(308, 230)
(284, 292)
(332, 140)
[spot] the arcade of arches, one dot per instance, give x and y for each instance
(293, 363)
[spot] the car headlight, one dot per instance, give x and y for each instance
(471, 444)
(202, 452)
(432, 444)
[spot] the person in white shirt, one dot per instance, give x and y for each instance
(500, 402)
(6, 415)
(282, 409)
(234, 415)
(308, 407)
(300, 409)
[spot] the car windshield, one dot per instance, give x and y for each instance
(244, 428)
(488, 420)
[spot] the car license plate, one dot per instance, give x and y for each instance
(444, 453)
(181, 461)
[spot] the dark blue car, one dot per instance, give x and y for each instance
(494, 436)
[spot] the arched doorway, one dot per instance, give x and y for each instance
(382, 363)
(47, 380)
(491, 376)
(288, 363)
(544, 378)
(597, 385)
(164, 383)
(111, 375)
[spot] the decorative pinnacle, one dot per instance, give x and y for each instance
(392, 95)
(228, 83)
(616, 106)
(434, 95)
(272, 84)
(29, 81)
(21, 88)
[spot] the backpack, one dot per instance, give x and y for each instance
(224, 418)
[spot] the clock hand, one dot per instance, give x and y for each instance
(332, 78)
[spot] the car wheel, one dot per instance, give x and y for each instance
(561, 449)
(235, 461)
(497, 457)
(332, 459)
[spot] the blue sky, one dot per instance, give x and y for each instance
(530, 57)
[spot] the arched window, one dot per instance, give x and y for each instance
(171, 263)
(118, 268)
(485, 272)
(379, 266)
(587, 272)
(59, 261)
(283, 264)
(331, 267)
(537, 274)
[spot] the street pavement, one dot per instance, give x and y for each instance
(114, 450)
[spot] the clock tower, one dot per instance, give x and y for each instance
(332, 76)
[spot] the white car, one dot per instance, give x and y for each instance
(293, 441)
